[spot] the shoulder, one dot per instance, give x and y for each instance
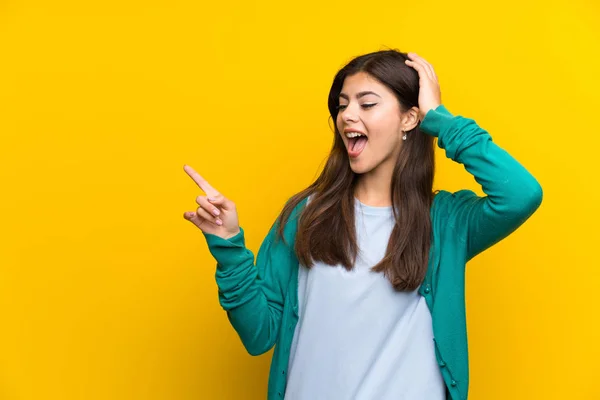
(291, 222)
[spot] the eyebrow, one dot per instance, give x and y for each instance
(359, 95)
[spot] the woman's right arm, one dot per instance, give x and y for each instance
(252, 294)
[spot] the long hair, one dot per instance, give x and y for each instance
(326, 230)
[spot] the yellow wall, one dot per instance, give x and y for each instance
(107, 293)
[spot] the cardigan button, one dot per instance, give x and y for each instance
(453, 383)
(427, 289)
(442, 364)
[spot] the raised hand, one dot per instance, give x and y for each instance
(216, 214)
(429, 87)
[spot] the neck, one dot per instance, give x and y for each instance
(374, 188)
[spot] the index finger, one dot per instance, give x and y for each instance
(200, 181)
(428, 67)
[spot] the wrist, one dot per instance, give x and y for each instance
(232, 234)
(427, 109)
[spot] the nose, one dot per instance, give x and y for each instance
(348, 116)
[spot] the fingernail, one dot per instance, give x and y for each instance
(219, 222)
(211, 199)
(216, 212)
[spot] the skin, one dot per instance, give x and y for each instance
(383, 123)
(378, 115)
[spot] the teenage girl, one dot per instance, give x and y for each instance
(360, 282)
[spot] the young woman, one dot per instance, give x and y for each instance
(360, 282)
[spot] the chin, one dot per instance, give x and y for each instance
(359, 167)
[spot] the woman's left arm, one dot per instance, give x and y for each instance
(512, 193)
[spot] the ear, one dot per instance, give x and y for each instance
(410, 119)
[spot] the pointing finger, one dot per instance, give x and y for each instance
(200, 181)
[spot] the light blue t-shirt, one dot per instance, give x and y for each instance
(357, 338)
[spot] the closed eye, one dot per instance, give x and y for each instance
(366, 106)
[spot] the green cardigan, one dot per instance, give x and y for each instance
(262, 300)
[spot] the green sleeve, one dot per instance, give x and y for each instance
(253, 294)
(512, 193)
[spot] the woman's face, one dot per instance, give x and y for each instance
(370, 123)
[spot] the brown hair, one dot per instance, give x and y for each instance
(326, 230)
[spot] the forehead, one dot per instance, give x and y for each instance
(361, 82)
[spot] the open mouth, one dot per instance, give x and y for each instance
(356, 145)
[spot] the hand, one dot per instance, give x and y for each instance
(216, 214)
(429, 88)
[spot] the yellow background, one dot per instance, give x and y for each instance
(106, 292)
